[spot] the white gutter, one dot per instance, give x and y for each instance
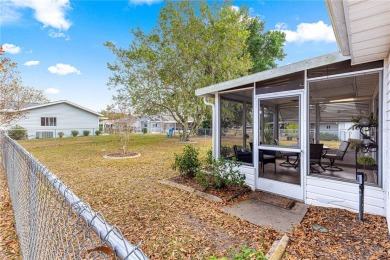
(213, 124)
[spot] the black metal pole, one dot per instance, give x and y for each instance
(360, 179)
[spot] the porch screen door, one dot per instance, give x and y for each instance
(279, 144)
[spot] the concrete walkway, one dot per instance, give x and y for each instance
(264, 213)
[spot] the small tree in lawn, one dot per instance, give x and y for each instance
(123, 124)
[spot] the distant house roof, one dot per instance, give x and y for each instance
(31, 106)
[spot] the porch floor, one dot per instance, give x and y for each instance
(292, 175)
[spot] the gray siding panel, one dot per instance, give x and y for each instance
(334, 193)
(249, 175)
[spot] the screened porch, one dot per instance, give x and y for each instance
(333, 97)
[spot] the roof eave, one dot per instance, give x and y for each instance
(340, 27)
(59, 102)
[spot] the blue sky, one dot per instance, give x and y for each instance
(58, 45)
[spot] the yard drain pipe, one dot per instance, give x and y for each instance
(213, 131)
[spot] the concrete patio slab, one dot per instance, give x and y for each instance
(265, 214)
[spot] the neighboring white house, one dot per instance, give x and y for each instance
(153, 124)
(321, 91)
(156, 124)
(47, 120)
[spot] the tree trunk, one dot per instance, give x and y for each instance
(185, 136)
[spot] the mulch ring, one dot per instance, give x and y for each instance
(122, 155)
(327, 233)
(227, 194)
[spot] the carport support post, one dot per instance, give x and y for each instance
(317, 126)
(276, 124)
(215, 125)
(262, 124)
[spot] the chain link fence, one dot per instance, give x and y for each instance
(204, 132)
(51, 221)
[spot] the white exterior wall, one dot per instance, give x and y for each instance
(337, 194)
(250, 175)
(68, 118)
(386, 137)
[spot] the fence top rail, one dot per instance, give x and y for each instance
(111, 235)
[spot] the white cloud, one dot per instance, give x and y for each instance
(281, 26)
(8, 12)
(52, 91)
(31, 63)
(235, 8)
(141, 2)
(11, 48)
(63, 69)
(54, 34)
(50, 13)
(305, 32)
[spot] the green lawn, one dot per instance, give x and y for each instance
(171, 224)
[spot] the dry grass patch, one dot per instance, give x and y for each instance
(171, 224)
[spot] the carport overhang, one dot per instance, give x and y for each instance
(272, 73)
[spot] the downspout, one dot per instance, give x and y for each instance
(213, 124)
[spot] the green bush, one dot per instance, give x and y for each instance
(209, 157)
(74, 133)
(144, 130)
(17, 132)
(60, 134)
(245, 253)
(98, 132)
(188, 162)
(328, 137)
(220, 174)
(366, 160)
(86, 132)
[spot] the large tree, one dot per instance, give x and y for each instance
(13, 95)
(193, 45)
(264, 47)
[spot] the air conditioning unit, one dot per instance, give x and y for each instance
(45, 134)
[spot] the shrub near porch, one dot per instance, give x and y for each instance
(170, 223)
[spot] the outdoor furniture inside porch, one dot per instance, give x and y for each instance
(316, 151)
(266, 157)
(287, 162)
(339, 155)
(242, 155)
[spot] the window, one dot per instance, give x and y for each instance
(334, 103)
(48, 121)
(236, 125)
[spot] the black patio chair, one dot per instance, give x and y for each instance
(266, 157)
(242, 156)
(315, 157)
(339, 155)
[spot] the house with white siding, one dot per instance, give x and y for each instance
(328, 90)
(47, 120)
